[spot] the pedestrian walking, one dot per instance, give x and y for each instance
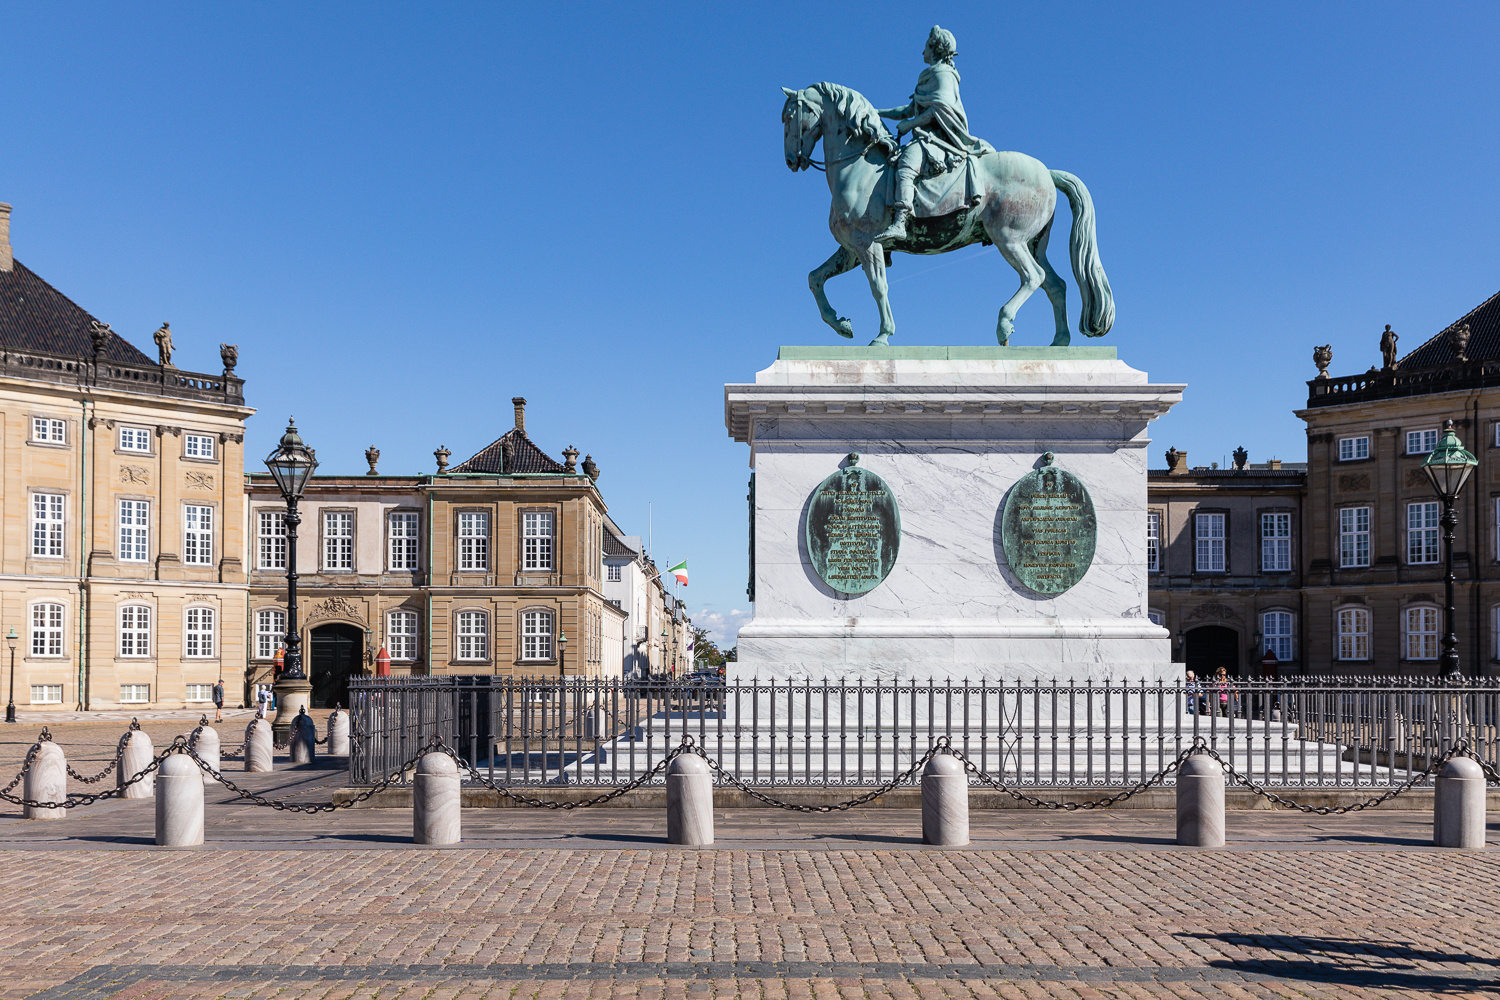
(219, 700)
(262, 700)
(1225, 690)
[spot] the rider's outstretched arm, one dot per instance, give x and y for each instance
(894, 113)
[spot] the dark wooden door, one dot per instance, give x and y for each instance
(337, 652)
(1210, 647)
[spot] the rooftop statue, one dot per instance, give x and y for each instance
(941, 191)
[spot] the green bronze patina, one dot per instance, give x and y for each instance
(1048, 529)
(853, 529)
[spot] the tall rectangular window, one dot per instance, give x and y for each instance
(1276, 542)
(135, 439)
(1421, 633)
(1422, 532)
(200, 632)
(473, 635)
(1276, 630)
(48, 430)
(1353, 449)
(614, 573)
(403, 553)
(1421, 442)
(271, 540)
(1153, 542)
(270, 631)
(1210, 538)
(474, 541)
(1354, 634)
(536, 635)
(401, 635)
(1354, 537)
(46, 524)
(46, 630)
(134, 517)
(198, 535)
(198, 446)
(135, 630)
(338, 540)
(537, 540)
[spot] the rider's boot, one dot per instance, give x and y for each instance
(897, 229)
(906, 189)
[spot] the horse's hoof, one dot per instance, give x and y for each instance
(1062, 340)
(881, 341)
(844, 328)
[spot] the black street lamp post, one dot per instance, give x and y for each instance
(1448, 468)
(10, 709)
(291, 465)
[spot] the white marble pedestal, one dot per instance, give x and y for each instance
(950, 430)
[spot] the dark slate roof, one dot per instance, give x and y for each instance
(525, 457)
(34, 316)
(614, 547)
(1484, 339)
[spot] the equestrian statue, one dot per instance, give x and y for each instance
(942, 190)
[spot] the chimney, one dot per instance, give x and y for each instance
(1274, 464)
(519, 402)
(7, 257)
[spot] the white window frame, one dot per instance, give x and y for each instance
(197, 535)
(199, 633)
(614, 572)
(1353, 625)
(46, 694)
(50, 430)
(473, 541)
(1422, 532)
(538, 550)
(270, 632)
(1210, 538)
(471, 632)
(536, 634)
(270, 539)
(197, 693)
(1353, 449)
(204, 443)
(135, 530)
(45, 629)
(135, 630)
(1157, 617)
(1275, 541)
(1278, 634)
(1153, 541)
(402, 634)
(1497, 434)
(1354, 537)
(1421, 625)
(338, 541)
(135, 694)
(49, 514)
(136, 440)
(404, 550)
(1417, 442)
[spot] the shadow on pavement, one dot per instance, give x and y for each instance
(1365, 963)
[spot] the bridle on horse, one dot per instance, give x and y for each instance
(801, 156)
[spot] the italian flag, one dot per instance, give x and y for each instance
(680, 571)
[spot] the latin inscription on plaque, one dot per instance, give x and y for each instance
(853, 529)
(1048, 529)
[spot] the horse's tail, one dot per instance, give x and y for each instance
(1098, 313)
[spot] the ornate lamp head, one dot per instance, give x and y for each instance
(1449, 466)
(292, 463)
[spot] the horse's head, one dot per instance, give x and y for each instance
(801, 121)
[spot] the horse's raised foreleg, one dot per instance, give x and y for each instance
(1018, 255)
(1053, 285)
(843, 259)
(872, 258)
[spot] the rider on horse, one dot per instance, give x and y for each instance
(938, 126)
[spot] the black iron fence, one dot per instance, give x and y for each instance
(1308, 732)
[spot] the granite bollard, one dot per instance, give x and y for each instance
(690, 801)
(338, 733)
(436, 814)
(1200, 802)
(206, 745)
(179, 802)
(258, 745)
(945, 802)
(1458, 806)
(136, 754)
(46, 781)
(303, 747)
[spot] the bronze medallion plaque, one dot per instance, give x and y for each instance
(1048, 529)
(853, 530)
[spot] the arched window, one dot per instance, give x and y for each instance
(473, 635)
(1422, 633)
(536, 635)
(46, 630)
(1354, 634)
(270, 632)
(200, 633)
(1276, 634)
(135, 630)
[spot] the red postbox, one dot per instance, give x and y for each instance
(382, 663)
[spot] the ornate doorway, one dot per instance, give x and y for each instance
(1210, 647)
(337, 654)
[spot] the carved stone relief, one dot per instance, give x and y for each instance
(336, 607)
(200, 481)
(1415, 477)
(1214, 610)
(1355, 481)
(135, 474)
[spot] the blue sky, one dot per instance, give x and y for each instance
(407, 214)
